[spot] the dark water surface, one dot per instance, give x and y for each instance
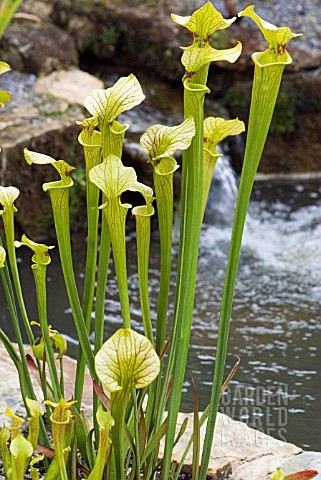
(275, 328)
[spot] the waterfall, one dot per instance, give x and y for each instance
(222, 196)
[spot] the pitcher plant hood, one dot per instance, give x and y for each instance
(277, 39)
(7, 197)
(202, 24)
(127, 359)
(114, 179)
(217, 129)
(107, 104)
(41, 252)
(62, 167)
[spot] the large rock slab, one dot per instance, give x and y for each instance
(239, 452)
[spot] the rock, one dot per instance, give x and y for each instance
(108, 31)
(38, 48)
(10, 395)
(43, 124)
(305, 461)
(294, 141)
(39, 8)
(239, 452)
(73, 86)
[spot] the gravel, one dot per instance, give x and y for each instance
(301, 16)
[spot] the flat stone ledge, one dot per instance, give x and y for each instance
(239, 452)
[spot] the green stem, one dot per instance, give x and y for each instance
(39, 273)
(116, 218)
(25, 377)
(118, 404)
(8, 222)
(143, 243)
(192, 176)
(112, 143)
(163, 182)
(91, 142)
(136, 427)
(104, 254)
(264, 93)
(102, 275)
(60, 206)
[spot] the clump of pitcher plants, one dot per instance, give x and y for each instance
(136, 378)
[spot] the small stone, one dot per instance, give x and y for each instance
(72, 86)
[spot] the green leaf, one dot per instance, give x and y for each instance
(82, 430)
(127, 360)
(35, 409)
(106, 105)
(2, 257)
(21, 450)
(4, 96)
(277, 39)
(268, 70)
(142, 215)
(160, 141)
(59, 341)
(61, 418)
(62, 167)
(7, 196)
(41, 252)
